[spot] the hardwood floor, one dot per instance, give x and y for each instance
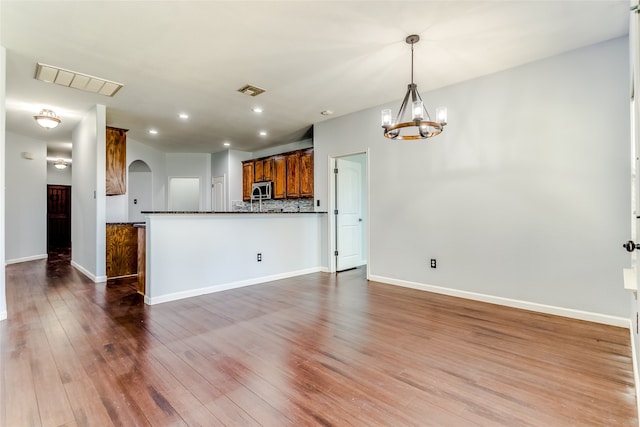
(318, 349)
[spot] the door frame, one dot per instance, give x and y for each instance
(331, 226)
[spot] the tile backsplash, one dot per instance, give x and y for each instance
(288, 205)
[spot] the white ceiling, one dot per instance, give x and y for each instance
(310, 56)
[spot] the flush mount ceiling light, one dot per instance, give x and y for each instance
(60, 164)
(421, 123)
(47, 119)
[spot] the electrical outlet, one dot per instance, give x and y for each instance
(433, 263)
(259, 257)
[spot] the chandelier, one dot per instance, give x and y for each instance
(47, 119)
(421, 123)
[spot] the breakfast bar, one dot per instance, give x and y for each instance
(196, 253)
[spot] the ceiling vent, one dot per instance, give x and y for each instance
(62, 77)
(251, 90)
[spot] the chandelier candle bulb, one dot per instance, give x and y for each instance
(441, 115)
(418, 109)
(386, 117)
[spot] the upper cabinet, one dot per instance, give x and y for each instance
(306, 173)
(291, 173)
(280, 177)
(116, 161)
(247, 179)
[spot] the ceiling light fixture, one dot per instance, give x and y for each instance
(227, 144)
(183, 116)
(60, 164)
(263, 133)
(153, 131)
(257, 110)
(47, 119)
(424, 128)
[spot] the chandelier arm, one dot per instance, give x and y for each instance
(403, 106)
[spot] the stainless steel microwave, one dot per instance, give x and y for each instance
(261, 190)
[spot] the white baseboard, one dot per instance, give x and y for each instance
(3, 315)
(226, 286)
(525, 305)
(25, 259)
(81, 269)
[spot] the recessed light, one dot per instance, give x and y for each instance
(227, 144)
(183, 116)
(326, 112)
(262, 133)
(257, 110)
(153, 131)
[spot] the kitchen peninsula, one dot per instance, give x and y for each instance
(195, 253)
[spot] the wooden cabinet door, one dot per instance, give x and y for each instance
(247, 179)
(116, 161)
(257, 171)
(306, 173)
(267, 169)
(293, 175)
(279, 177)
(121, 250)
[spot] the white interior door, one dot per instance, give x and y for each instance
(217, 193)
(349, 217)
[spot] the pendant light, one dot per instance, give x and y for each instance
(421, 123)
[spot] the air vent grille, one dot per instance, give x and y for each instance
(251, 90)
(62, 77)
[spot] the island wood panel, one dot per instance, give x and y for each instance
(142, 260)
(320, 349)
(116, 161)
(122, 250)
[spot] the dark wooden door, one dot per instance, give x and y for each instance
(58, 216)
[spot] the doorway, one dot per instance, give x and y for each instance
(58, 218)
(140, 190)
(350, 211)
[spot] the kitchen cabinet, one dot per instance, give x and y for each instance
(263, 169)
(116, 161)
(293, 175)
(122, 250)
(247, 179)
(306, 173)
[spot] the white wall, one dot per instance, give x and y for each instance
(57, 176)
(190, 255)
(3, 67)
(235, 174)
(88, 194)
(117, 207)
(26, 197)
(525, 196)
(192, 165)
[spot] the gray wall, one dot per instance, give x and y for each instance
(525, 196)
(26, 197)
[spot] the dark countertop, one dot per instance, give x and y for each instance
(123, 223)
(225, 213)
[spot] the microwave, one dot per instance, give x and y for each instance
(261, 190)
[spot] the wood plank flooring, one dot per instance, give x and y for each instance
(320, 349)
